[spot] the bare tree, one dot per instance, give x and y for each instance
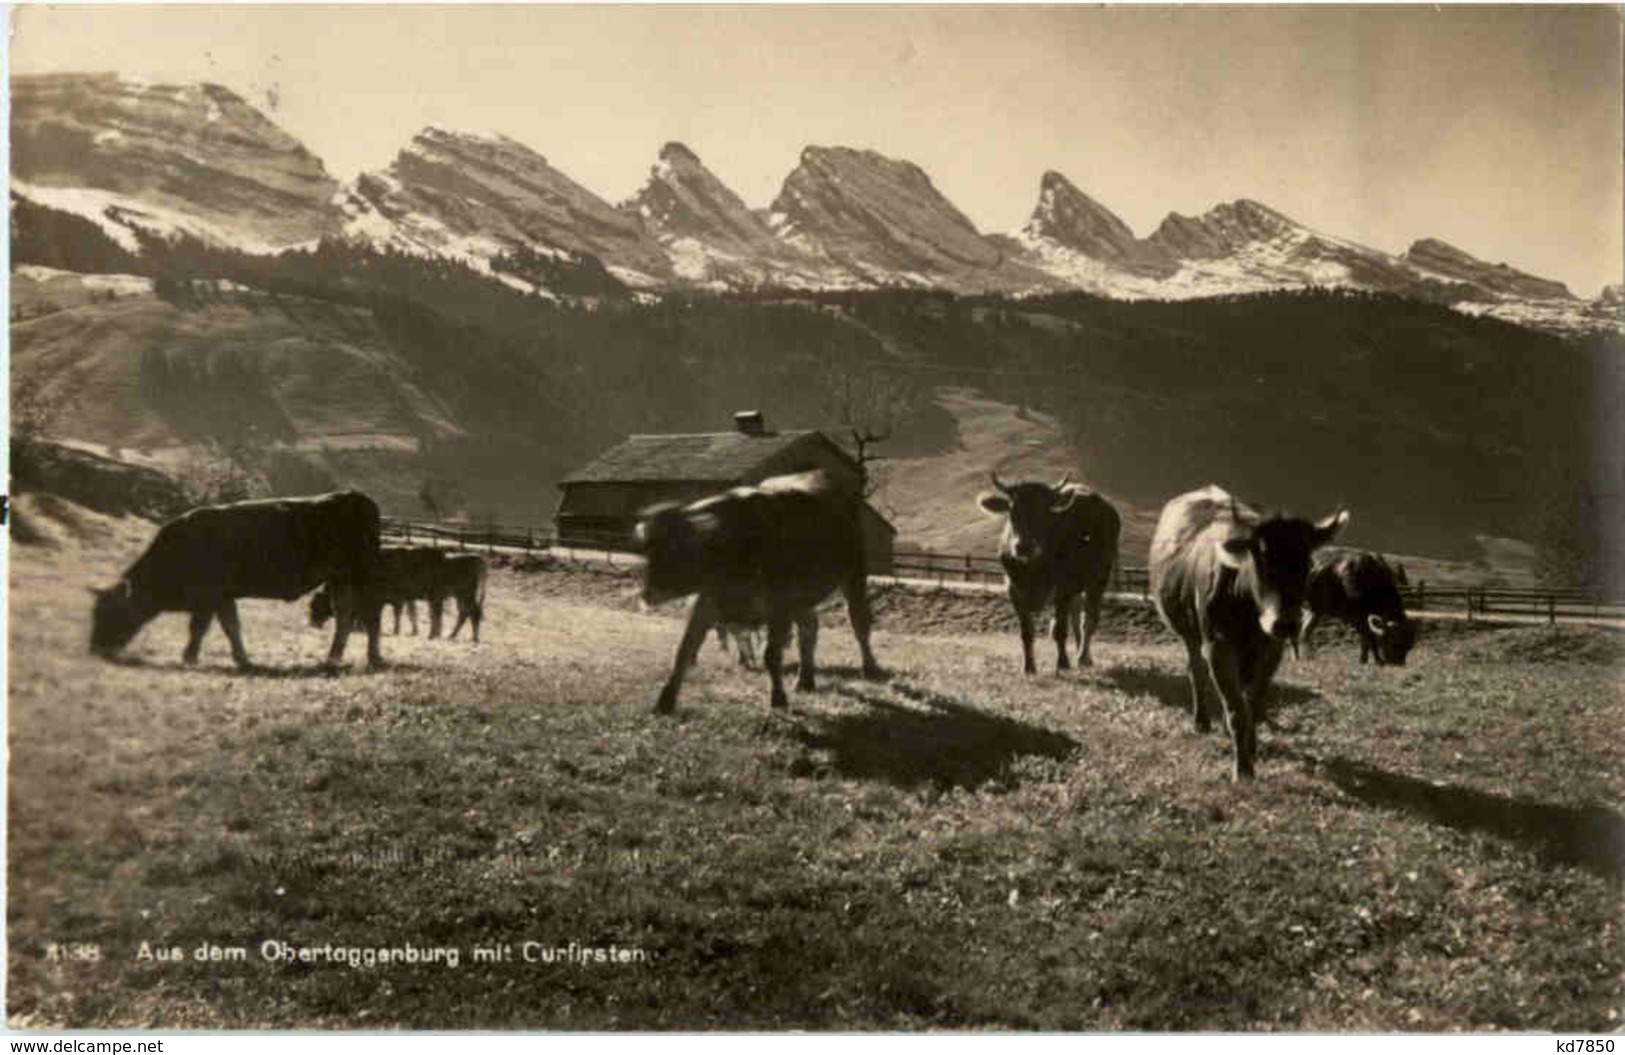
(869, 399)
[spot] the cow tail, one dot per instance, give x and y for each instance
(479, 592)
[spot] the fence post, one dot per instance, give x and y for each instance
(1421, 594)
(1469, 604)
(1551, 608)
(967, 568)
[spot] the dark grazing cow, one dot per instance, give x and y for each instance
(764, 554)
(1231, 583)
(1362, 589)
(405, 573)
(1059, 545)
(409, 574)
(462, 578)
(204, 560)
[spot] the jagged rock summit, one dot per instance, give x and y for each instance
(165, 159)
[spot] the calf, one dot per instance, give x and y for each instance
(461, 577)
(1231, 583)
(764, 554)
(1059, 545)
(204, 560)
(404, 573)
(1362, 589)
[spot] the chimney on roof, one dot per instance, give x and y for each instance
(750, 422)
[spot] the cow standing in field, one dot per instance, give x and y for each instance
(1362, 589)
(404, 574)
(764, 554)
(1058, 548)
(1231, 583)
(204, 560)
(407, 574)
(461, 577)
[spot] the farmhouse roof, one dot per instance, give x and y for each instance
(720, 457)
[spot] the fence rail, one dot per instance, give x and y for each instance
(1553, 603)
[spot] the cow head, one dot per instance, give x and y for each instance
(118, 615)
(673, 541)
(1394, 637)
(1028, 510)
(321, 608)
(1272, 558)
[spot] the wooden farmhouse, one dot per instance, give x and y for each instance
(599, 504)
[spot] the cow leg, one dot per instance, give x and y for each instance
(437, 606)
(1222, 662)
(1091, 623)
(807, 646)
(1303, 635)
(1259, 680)
(477, 607)
(462, 617)
(1063, 622)
(194, 641)
(372, 617)
(778, 635)
(396, 606)
(344, 614)
(699, 624)
(1199, 678)
(1367, 645)
(856, 591)
(1025, 618)
(234, 633)
(411, 615)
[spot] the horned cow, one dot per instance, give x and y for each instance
(1059, 545)
(1362, 589)
(1231, 583)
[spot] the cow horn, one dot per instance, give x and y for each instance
(1066, 479)
(997, 483)
(1376, 622)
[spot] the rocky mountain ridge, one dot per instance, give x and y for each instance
(157, 160)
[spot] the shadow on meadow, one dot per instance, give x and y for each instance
(1590, 837)
(1174, 690)
(943, 741)
(258, 670)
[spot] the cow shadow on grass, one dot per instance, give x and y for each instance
(940, 740)
(317, 670)
(1174, 690)
(1589, 837)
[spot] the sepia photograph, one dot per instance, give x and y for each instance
(823, 518)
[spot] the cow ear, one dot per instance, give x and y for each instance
(1326, 530)
(1235, 552)
(704, 524)
(1064, 503)
(1399, 573)
(641, 533)
(993, 502)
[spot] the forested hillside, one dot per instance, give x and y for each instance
(390, 370)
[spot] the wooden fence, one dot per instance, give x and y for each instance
(944, 569)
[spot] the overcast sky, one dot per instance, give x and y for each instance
(1495, 129)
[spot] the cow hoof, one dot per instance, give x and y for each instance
(189, 658)
(1085, 661)
(872, 672)
(806, 685)
(667, 702)
(780, 701)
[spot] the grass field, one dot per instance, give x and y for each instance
(1437, 847)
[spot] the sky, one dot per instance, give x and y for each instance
(1496, 129)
